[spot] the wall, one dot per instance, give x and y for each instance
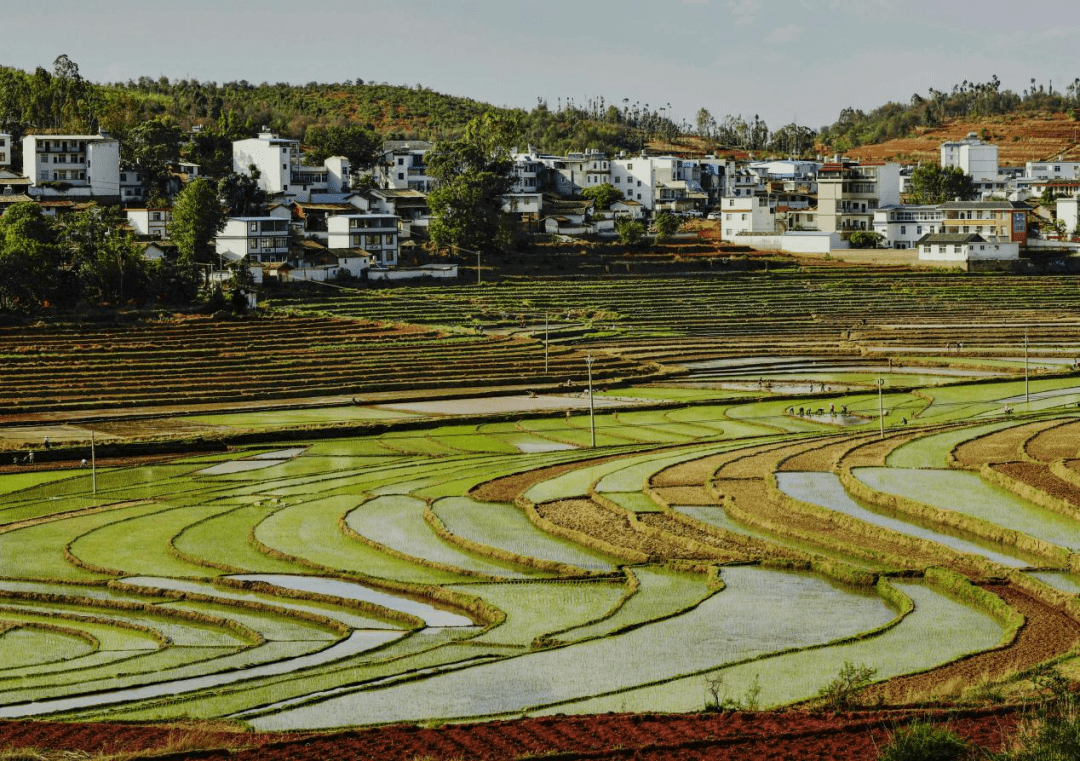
(794, 244)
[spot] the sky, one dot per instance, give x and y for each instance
(784, 60)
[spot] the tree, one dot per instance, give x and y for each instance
(630, 231)
(241, 194)
(152, 146)
(197, 218)
(104, 259)
(471, 175)
(30, 258)
(865, 239)
(666, 224)
(706, 124)
(932, 184)
(362, 146)
(603, 195)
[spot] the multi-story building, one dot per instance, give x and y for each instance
(282, 171)
(1038, 170)
(904, 225)
(150, 223)
(977, 159)
(403, 166)
(5, 149)
(575, 172)
(993, 220)
(72, 165)
(1067, 213)
(849, 193)
(746, 214)
(260, 239)
(132, 185)
(377, 234)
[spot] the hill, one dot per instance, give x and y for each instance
(1020, 138)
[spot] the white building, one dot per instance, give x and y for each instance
(260, 239)
(849, 193)
(1043, 170)
(575, 172)
(132, 185)
(903, 226)
(282, 171)
(977, 159)
(377, 234)
(5, 149)
(965, 249)
(403, 166)
(150, 223)
(72, 165)
(1067, 213)
(744, 215)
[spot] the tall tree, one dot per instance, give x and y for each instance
(107, 265)
(197, 218)
(152, 146)
(360, 145)
(30, 260)
(931, 184)
(241, 194)
(472, 174)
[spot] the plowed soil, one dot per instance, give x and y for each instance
(1000, 446)
(586, 516)
(1019, 138)
(1047, 634)
(1038, 476)
(732, 736)
(1058, 443)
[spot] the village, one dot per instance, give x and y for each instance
(331, 220)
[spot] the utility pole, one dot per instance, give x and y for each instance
(880, 407)
(1027, 376)
(592, 419)
(545, 343)
(93, 464)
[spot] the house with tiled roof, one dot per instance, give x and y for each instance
(965, 249)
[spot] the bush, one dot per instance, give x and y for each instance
(925, 742)
(844, 691)
(1053, 732)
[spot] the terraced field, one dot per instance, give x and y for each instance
(462, 571)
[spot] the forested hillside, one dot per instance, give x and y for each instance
(59, 99)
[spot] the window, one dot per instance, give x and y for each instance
(617, 179)
(956, 249)
(253, 243)
(941, 249)
(743, 217)
(401, 175)
(903, 230)
(157, 216)
(400, 161)
(639, 183)
(629, 167)
(918, 230)
(253, 227)
(44, 159)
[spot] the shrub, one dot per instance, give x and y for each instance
(844, 691)
(1053, 732)
(925, 742)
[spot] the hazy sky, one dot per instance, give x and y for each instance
(782, 59)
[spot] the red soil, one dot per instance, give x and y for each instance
(716, 736)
